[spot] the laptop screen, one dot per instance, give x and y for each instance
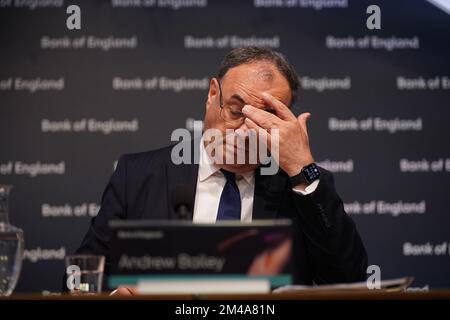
(180, 250)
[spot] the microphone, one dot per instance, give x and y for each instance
(182, 197)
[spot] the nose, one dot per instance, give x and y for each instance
(242, 132)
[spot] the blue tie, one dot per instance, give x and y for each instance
(230, 200)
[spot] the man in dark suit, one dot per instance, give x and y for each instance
(254, 89)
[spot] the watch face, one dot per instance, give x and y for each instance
(311, 172)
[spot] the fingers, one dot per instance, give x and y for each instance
(260, 131)
(281, 109)
(263, 118)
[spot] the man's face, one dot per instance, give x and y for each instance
(243, 85)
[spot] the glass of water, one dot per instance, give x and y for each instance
(11, 251)
(85, 273)
(11, 246)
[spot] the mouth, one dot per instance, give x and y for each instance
(233, 151)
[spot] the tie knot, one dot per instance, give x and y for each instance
(228, 175)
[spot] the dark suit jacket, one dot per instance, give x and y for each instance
(330, 249)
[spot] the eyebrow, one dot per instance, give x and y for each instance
(239, 98)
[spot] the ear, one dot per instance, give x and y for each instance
(213, 94)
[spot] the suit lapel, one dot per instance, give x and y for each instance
(182, 174)
(268, 194)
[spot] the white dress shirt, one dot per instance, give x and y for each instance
(210, 184)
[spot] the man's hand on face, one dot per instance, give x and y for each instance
(294, 151)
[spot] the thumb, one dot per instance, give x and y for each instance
(303, 119)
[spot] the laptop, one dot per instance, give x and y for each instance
(177, 257)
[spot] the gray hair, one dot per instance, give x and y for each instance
(245, 55)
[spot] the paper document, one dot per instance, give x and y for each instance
(388, 285)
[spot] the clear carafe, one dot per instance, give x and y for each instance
(11, 246)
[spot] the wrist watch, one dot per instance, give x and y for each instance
(308, 174)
